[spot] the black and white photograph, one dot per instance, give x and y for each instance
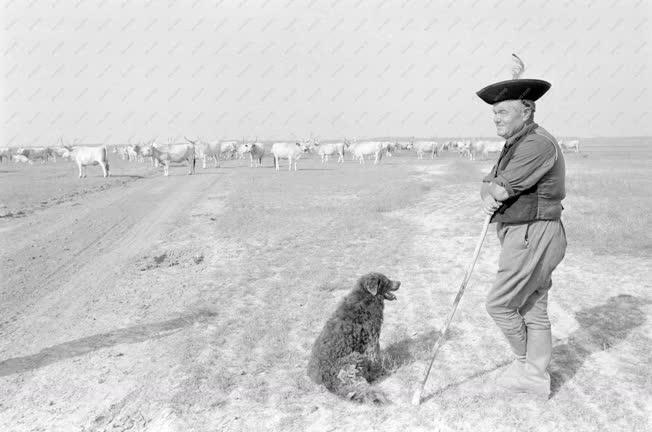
(325, 215)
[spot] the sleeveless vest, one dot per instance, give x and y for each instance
(543, 200)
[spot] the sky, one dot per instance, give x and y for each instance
(102, 71)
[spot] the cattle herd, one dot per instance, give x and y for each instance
(189, 151)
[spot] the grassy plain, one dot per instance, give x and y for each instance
(206, 322)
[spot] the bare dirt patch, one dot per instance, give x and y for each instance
(171, 258)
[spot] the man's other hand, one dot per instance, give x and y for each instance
(490, 205)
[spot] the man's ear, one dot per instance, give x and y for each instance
(527, 113)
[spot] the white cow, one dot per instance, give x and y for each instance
(349, 145)
(404, 145)
(367, 148)
(290, 151)
(240, 150)
(132, 153)
(426, 147)
(215, 150)
(331, 149)
(122, 152)
(85, 156)
(5, 153)
(455, 145)
(36, 153)
(256, 152)
(482, 148)
(388, 148)
(166, 153)
(570, 145)
(142, 151)
(22, 159)
(145, 151)
(224, 150)
(494, 146)
(463, 148)
(58, 151)
(476, 150)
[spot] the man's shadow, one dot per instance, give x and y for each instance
(601, 328)
(83, 346)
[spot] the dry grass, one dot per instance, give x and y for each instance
(280, 251)
(608, 204)
(357, 224)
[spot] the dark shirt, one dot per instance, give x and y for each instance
(531, 169)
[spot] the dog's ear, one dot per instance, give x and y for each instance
(371, 284)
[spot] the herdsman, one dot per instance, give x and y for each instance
(523, 193)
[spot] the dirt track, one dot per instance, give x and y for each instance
(72, 278)
(191, 303)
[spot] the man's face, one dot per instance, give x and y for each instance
(509, 117)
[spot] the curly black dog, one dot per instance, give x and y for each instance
(346, 356)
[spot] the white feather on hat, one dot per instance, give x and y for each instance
(517, 66)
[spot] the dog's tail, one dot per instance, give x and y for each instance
(351, 383)
(362, 393)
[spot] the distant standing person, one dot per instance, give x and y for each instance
(523, 193)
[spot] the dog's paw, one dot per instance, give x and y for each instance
(348, 374)
(378, 398)
(368, 396)
(376, 370)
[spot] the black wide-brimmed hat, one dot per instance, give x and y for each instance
(516, 88)
(531, 89)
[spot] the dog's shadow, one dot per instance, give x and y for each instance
(601, 328)
(407, 351)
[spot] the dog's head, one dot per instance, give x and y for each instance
(379, 285)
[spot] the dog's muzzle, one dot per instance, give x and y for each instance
(393, 287)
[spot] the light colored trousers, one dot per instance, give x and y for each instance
(518, 299)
